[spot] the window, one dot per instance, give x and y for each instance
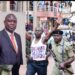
(31, 5)
(12, 5)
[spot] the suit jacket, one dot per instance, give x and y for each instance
(7, 52)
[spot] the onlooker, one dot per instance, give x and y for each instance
(29, 26)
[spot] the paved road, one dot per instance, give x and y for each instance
(22, 70)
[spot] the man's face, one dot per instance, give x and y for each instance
(10, 23)
(57, 38)
(38, 32)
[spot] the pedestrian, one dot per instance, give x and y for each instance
(28, 44)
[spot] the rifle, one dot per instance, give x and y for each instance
(54, 56)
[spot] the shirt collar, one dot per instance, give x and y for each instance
(9, 32)
(61, 43)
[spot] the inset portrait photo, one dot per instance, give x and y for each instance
(12, 38)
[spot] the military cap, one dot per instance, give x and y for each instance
(57, 32)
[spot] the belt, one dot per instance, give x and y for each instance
(40, 61)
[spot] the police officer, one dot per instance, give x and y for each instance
(63, 54)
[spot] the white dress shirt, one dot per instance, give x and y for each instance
(9, 34)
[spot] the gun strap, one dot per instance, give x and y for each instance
(54, 56)
(63, 52)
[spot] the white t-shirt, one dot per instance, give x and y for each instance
(38, 50)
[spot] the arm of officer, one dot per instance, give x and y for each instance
(71, 57)
(48, 53)
(70, 54)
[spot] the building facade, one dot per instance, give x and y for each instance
(38, 12)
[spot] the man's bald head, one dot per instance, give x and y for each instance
(10, 15)
(38, 32)
(39, 28)
(10, 22)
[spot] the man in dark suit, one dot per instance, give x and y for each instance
(10, 44)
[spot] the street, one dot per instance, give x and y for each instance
(22, 70)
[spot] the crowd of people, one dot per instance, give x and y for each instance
(43, 45)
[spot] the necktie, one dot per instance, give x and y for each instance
(13, 42)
